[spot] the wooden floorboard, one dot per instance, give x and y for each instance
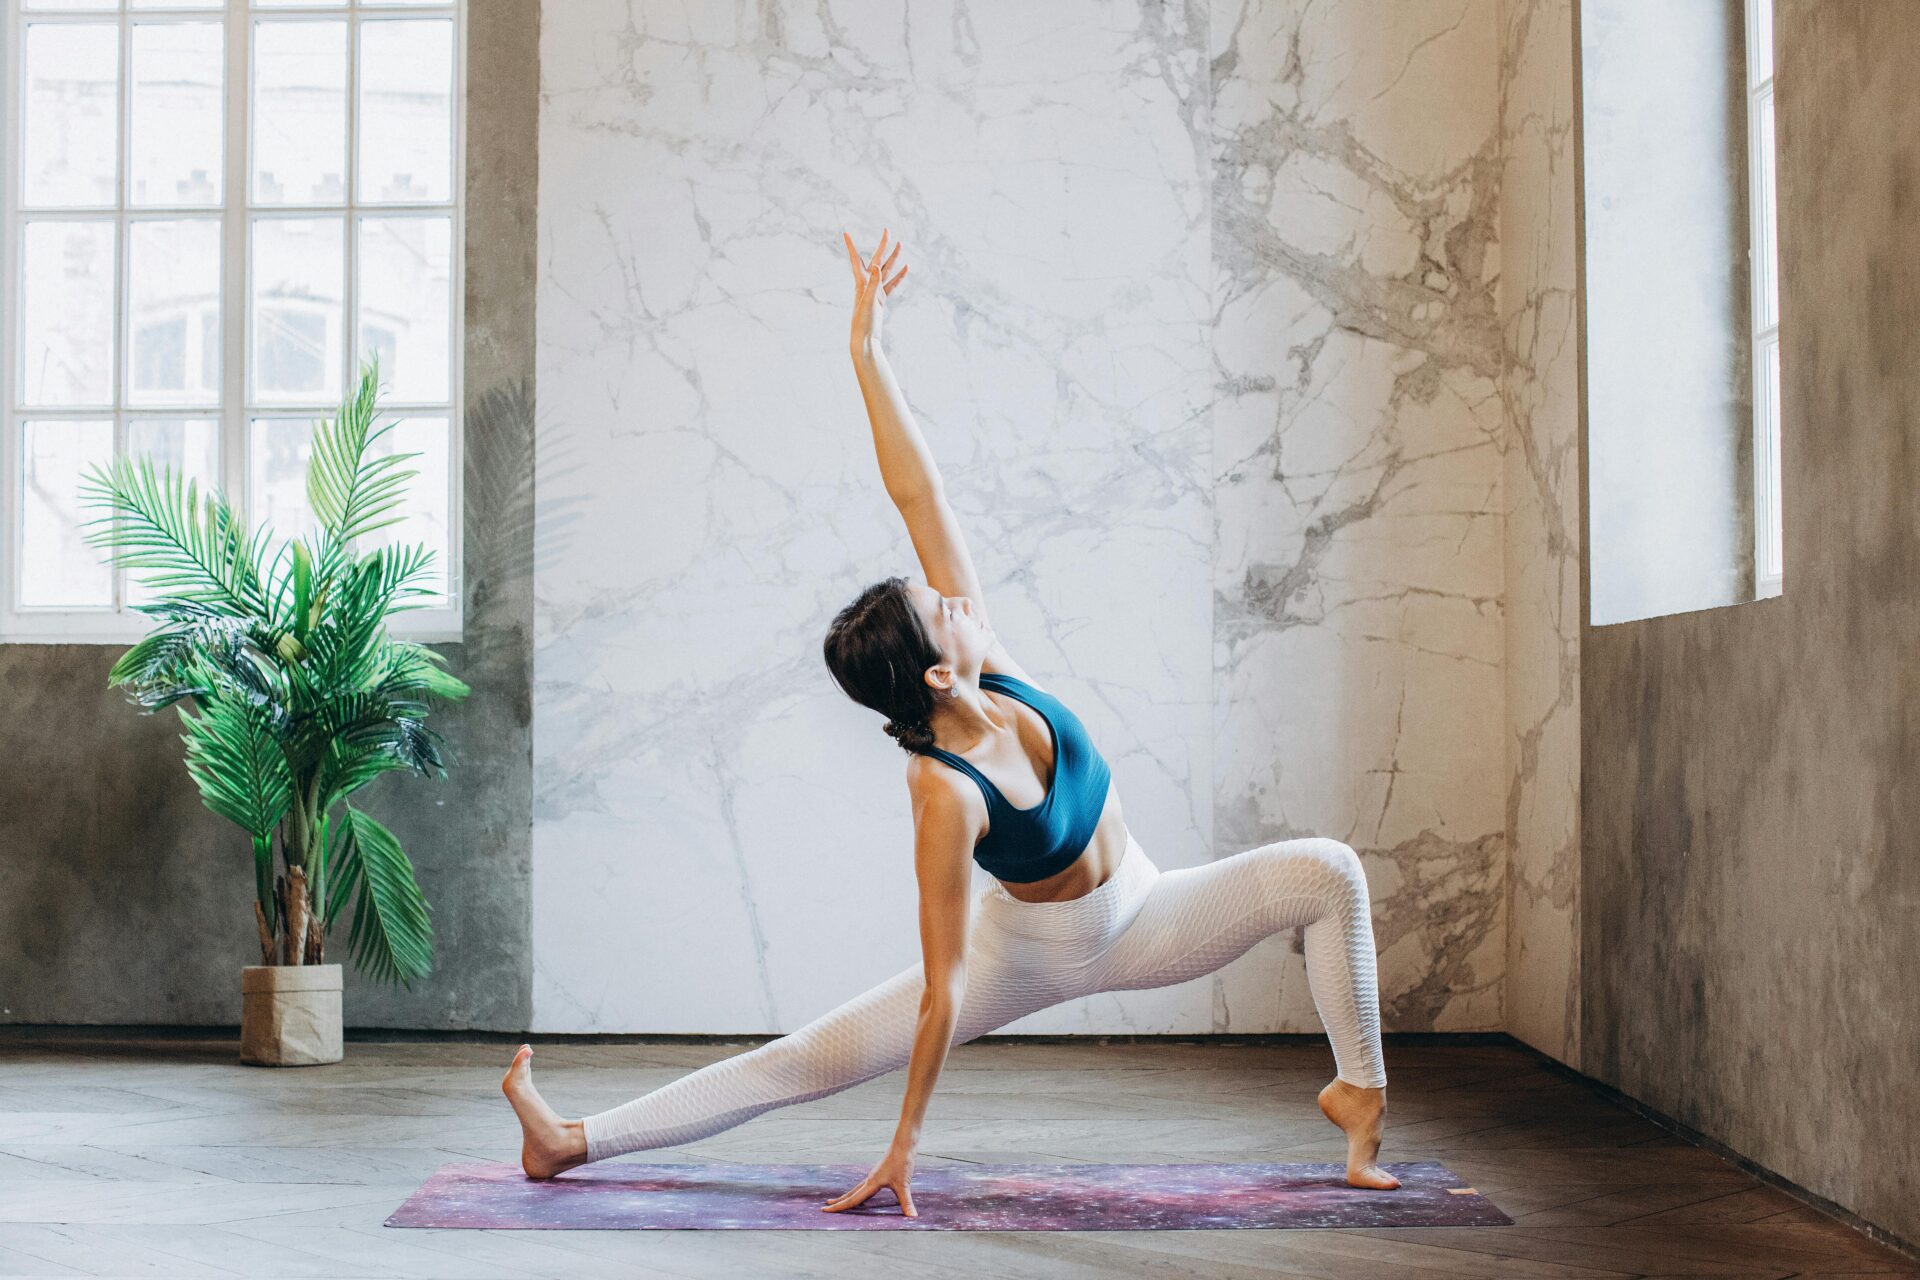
(167, 1157)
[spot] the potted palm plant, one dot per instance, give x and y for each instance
(293, 696)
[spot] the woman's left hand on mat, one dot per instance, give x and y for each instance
(895, 1171)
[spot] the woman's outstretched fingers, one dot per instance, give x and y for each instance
(873, 273)
(866, 1191)
(854, 1198)
(853, 257)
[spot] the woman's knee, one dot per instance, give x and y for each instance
(1316, 866)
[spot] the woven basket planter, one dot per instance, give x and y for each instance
(290, 1014)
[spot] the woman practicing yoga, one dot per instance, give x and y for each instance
(1001, 773)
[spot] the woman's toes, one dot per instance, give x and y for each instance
(1372, 1177)
(518, 1081)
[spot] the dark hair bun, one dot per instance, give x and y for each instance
(914, 736)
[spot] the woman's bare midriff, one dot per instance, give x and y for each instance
(1095, 865)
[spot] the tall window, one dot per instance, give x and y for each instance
(216, 210)
(1764, 257)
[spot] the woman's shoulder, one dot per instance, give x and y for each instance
(929, 777)
(945, 794)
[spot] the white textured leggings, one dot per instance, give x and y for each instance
(1142, 928)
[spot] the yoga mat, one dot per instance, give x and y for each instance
(635, 1196)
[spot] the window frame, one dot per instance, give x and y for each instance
(1763, 263)
(236, 214)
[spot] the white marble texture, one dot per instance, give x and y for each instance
(1357, 443)
(1544, 526)
(1204, 328)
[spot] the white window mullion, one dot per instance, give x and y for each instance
(234, 317)
(350, 287)
(13, 438)
(122, 322)
(1764, 287)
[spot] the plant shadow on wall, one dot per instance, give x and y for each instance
(299, 697)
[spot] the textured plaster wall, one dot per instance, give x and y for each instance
(1751, 877)
(122, 900)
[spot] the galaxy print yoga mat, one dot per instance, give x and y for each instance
(633, 1196)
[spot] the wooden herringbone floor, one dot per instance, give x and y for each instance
(166, 1157)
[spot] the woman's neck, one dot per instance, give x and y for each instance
(967, 716)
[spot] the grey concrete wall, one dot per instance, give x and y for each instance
(122, 900)
(1664, 139)
(1751, 812)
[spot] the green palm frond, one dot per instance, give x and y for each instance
(162, 656)
(391, 938)
(347, 769)
(351, 650)
(159, 659)
(198, 549)
(233, 755)
(415, 665)
(353, 492)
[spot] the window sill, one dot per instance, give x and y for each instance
(60, 628)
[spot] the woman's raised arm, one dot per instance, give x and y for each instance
(907, 468)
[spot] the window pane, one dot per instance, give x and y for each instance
(191, 448)
(298, 265)
(57, 567)
(72, 106)
(406, 110)
(427, 501)
(1770, 249)
(173, 311)
(70, 4)
(175, 153)
(277, 450)
(300, 112)
(406, 303)
(313, 4)
(67, 313)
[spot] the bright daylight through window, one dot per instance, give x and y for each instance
(215, 213)
(1764, 259)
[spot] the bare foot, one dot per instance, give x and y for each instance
(1359, 1112)
(548, 1143)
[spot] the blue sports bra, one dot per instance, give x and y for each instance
(1024, 845)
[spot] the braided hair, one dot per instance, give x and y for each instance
(877, 650)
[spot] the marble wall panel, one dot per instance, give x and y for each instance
(1539, 324)
(1358, 427)
(1203, 327)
